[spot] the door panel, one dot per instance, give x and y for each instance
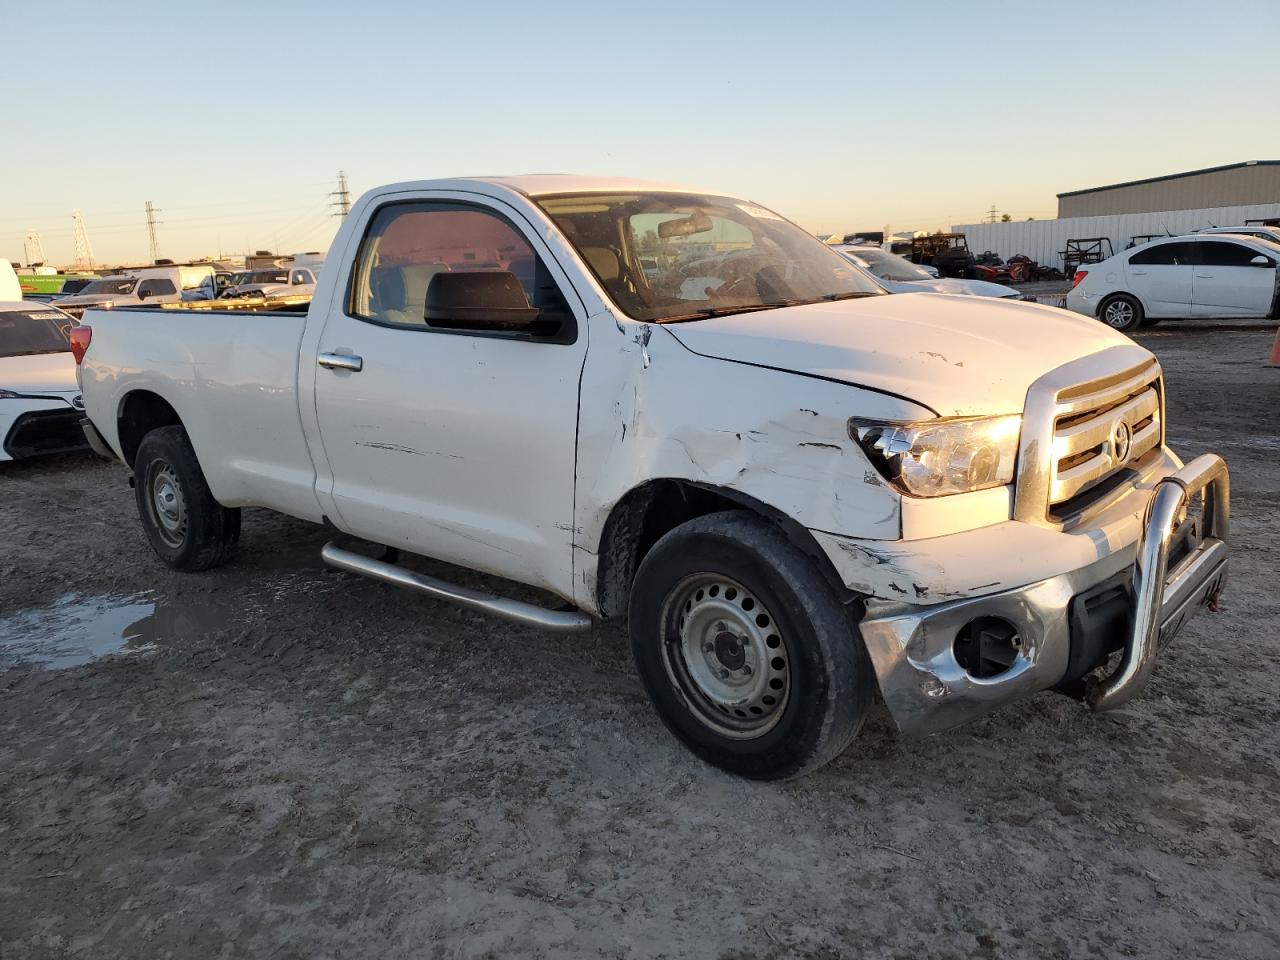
(457, 444)
(1226, 284)
(1161, 274)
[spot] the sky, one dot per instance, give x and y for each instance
(235, 118)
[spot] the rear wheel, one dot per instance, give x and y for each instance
(188, 529)
(1121, 312)
(747, 654)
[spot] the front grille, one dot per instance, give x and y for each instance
(1100, 430)
(45, 431)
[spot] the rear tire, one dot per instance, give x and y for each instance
(748, 655)
(188, 529)
(1121, 312)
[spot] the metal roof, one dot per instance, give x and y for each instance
(1172, 176)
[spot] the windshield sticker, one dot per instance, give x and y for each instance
(760, 213)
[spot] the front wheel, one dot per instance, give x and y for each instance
(1121, 312)
(747, 654)
(188, 529)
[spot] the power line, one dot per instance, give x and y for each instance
(152, 222)
(343, 203)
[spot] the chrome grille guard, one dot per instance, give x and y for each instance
(1163, 598)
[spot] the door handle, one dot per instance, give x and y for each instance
(1138, 273)
(341, 361)
(1204, 276)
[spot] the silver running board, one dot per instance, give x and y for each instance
(557, 621)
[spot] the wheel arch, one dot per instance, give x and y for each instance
(140, 412)
(648, 511)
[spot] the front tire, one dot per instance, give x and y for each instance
(747, 653)
(188, 529)
(1121, 312)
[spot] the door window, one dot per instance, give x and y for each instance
(407, 246)
(1223, 253)
(1177, 254)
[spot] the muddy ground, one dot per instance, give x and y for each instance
(285, 761)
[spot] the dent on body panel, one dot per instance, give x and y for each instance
(779, 438)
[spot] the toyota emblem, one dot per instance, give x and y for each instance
(1121, 441)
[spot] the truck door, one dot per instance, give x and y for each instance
(447, 429)
(1228, 283)
(1160, 273)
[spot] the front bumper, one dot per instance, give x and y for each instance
(1177, 564)
(33, 426)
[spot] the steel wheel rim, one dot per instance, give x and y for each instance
(725, 654)
(166, 503)
(1119, 314)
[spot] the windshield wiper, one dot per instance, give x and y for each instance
(709, 312)
(852, 295)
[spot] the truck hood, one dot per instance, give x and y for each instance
(44, 373)
(959, 356)
(970, 288)
(93, 299)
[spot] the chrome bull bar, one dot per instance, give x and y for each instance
(1164, 599)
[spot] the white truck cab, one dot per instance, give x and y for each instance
(678, 407)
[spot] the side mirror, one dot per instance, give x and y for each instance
(482, 300)
(143, 294)
(1261, 261)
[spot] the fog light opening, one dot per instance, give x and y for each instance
(987, 647)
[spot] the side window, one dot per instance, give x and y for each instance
(155, 288)
(452, 266)
(301, 276)
(1166, 254)
(1222, 253)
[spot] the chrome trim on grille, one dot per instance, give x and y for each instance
(1078, 420)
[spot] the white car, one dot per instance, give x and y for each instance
(899, 275)
(1260, 232)
(1176, 278)
(40, 404)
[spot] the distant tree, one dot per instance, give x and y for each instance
(1005, 218)
(1029, 219)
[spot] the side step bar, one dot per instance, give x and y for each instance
(557, 621)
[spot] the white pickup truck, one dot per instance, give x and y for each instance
(797, 489)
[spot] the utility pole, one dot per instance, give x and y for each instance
(84, 250)
(33, 248)
(152, 223)
(342, 205)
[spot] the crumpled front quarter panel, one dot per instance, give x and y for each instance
(651, 409)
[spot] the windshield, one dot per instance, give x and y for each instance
(669, 256)
(110, 286)
(23, 333)
(887, 266)
(267, 276)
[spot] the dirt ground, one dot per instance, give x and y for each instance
(283, 761)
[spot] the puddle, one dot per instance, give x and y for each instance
(76, 629)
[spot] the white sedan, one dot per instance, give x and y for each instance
(1176, 278)
(899, 275)
(40, 404)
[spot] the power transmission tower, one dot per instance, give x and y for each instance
(992, 216)
(342, 205)
(84, 250)
(152, 223)
(33, 248)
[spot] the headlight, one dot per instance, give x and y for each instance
(933, 458)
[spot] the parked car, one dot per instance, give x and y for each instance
(793, 486)
(1176, 278)
(275, 282)
(40, 405)
(899, 275)
(10, 288)
(1270, 234)
(149, 285)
